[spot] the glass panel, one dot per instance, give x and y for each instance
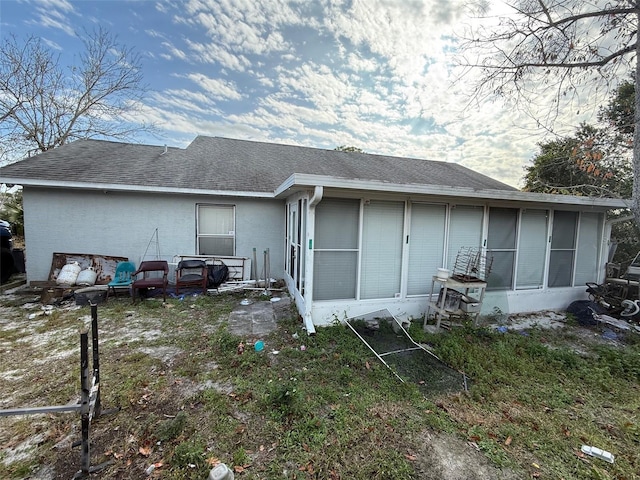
(563, 242)
(501, 242)
(588, 251)
(337, 224)
(532, 249)
(215, 246)
(560, 268)
(426, 245)
(501, 276)
(334, 275)
(564, 230)
(215, 220)
(465, 230)
(502, 228)
(382, 249)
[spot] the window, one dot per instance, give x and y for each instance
(216, 230)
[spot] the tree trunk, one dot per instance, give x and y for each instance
(635, 197)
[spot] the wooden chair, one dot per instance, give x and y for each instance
(191, 273)
(154, 275)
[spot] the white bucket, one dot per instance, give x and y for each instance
(221, 472)
(68, 274)
(87, 277)
(443, 274)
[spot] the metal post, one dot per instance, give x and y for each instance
(85, 457)
(96, 357)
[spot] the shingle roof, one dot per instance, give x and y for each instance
(213, 163)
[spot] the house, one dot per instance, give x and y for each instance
(350, 233)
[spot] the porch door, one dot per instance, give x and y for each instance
(382, 235)
(563, 249)
(296, 229)
(501, 245)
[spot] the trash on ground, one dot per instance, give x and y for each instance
(598, 453)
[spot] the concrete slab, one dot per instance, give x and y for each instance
(257, 318)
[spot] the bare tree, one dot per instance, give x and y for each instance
(560, 47)
(43, 105)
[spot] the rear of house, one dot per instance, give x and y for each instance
(350, 233)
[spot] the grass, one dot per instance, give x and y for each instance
(187, 400)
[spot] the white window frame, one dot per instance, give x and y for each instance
(231, 234)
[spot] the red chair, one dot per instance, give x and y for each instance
(154, 275)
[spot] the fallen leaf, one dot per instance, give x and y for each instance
(508, 441)
(145, 451)
(366, 364)
(411, 458)
(261, 448)
(238, 469)
(118, 456)
(158, 464)
(213, 461)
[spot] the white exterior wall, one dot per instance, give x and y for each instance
(512, 302)
(123, 224)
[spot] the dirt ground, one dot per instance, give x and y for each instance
(24, 333)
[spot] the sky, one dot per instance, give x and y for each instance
(379, 75)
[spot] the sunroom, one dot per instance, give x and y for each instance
(358, 250)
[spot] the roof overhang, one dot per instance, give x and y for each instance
(300, 182)
(114, 187)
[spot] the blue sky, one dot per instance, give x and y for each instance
(375, 74)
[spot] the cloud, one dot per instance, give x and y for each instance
(219, 89)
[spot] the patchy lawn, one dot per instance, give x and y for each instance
(310, 407)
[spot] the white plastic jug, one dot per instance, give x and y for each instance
(87, 277)
(68, 274)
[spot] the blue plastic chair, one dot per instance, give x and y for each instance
(122, 277)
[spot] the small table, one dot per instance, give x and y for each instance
(452, 283)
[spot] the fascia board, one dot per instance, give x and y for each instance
(298, 180)
(111, 187)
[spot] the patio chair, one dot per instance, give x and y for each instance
(154, 275)
(121, 278)
(191, 273)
